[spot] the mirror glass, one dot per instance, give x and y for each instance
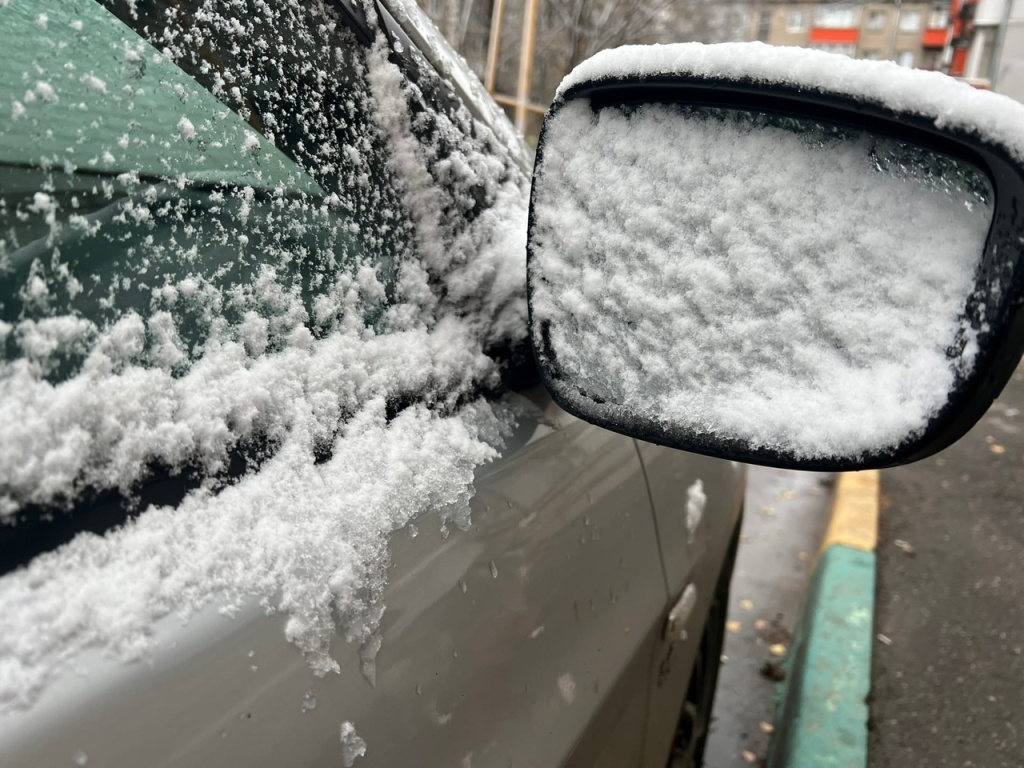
(776, 282)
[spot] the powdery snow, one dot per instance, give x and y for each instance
(778, 283)
(933, 95)
(352, 746)
(695, 502)
(304, 538)
(186, 129)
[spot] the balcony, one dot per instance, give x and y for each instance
(934, 38)
(835, 35)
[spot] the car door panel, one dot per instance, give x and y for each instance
(561, 585)
(697, 504)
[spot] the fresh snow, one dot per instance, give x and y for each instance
(696, 499)
(932, 95)
(352, 746)
(781, 284)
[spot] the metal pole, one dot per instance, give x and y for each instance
(997, 48)
(526, 64)
(494, 45)
(892, 37)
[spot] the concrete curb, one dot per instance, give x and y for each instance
(822, 715)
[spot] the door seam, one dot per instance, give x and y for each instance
(654, 515)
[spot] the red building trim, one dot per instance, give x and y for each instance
(959, 63)
(830, 36)
(934, 38)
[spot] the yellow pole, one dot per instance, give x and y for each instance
(494, 45)
(526, 64)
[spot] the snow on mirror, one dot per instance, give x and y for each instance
(788, 286)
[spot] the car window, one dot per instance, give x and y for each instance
(165, 192)
(222, 191)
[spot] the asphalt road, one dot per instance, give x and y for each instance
(948, 658)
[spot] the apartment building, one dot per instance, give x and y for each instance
(914, 34)
(987, 45)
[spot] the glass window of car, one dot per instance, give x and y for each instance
(208, 188)
(178, 176)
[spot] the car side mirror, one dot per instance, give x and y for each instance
(777, 255)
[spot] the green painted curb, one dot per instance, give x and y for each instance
(821, 720)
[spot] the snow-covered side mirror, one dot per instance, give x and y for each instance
(777, 256)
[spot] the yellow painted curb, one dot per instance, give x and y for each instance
(855, 512)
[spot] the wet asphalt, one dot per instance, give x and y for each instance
(948, 656)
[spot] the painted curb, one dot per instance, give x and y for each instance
(821, 720)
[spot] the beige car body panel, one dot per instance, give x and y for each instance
(693, 548)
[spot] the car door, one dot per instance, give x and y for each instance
(521, 633)
(697, 502)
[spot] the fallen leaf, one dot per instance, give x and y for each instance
(996, 448)
(746, 605)
(787, 495)
(767, 727)
(906, 546)
(884, 639)
(749, 756)
(805, 556)
(733, 626)
(760, 624)
(769, 511)
(777, 649)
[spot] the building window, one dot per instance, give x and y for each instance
(931, 59)
(938, 18)
(872, 55)
(910, 21)
(846, 50)
(877, 19)
(838, 16)
(796, 21)
(905, 58)
(764, 26)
